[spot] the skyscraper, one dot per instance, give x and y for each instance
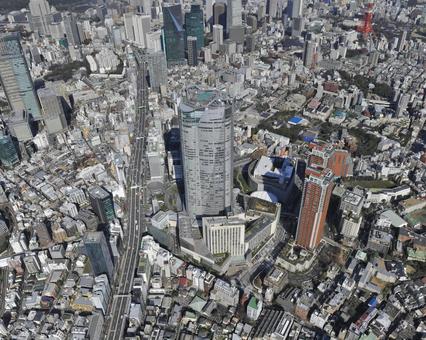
(206, 128)
(97, 249)
(8, 154)
(194, 25)
(53, 111)
(102, 204)
(296, 8)
(174, 34)
(141, 26)
(313, 210)
(41, 17)
(309, 52)
(219, 14)
(234, 14)
(157, 69)
(218, 34)
(71, 30)
(192, 51)
(16, 79)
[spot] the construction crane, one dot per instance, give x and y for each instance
(366, 27)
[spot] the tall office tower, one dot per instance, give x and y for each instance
(20, 127)
(218, 34)
(192, 51)
(234, 14)
(272, 8)
(298, 25)
(53, 111)
(403, 101)
(296, 8)
(401, 41)
(147, 7)
(224, 235)
(71, 30)
(209, 12)
(153, 41)
(157, 69)
(116, 36)
(128, 26)
(97, 249)
(313, 210)
(309, 52)
(16, 79)
(174, 34)
(41, 16)
(219, 14)
(194, 25)
(141, 26)
(8, 153)
(207, 130)
(102, 204)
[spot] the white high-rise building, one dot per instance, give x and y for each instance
(224, 235)
(141, 26)
(128, 26)
(40, 16)
(153, 41)
(218, 34)
(297, 8)
(53, 111)
(234, 14)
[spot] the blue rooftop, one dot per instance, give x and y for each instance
(295, 120)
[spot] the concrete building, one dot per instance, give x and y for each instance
(313, 210)
(53, 111)
(40, 16)
(224, 235)
(8, 153)
(157, 69)
(71, 30)
(218, 34)
(233, 14)
(206, 128)
(225, 294)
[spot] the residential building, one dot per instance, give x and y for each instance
(313, 210)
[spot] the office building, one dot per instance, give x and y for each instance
(53, 111)
(194, 25)
(192, 51)
(116, 36)
(218, 34)
(401, 41)
(71, 30)
(141, 26)
(309, 52)
(219, 14)
(173, 34)
(314, 206)
(234, 14)
(128, 26)
(8, 153)
(16, 79)
(296, 8)
(206, 128)
(298, 25)
(102, 204)
(209, 12)
(157, 69)
(224, 235)
(403, 102)
(153, 40)
(40, 16)
(272, 8)
(99, 254)
(20, 127)
(32, 264)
